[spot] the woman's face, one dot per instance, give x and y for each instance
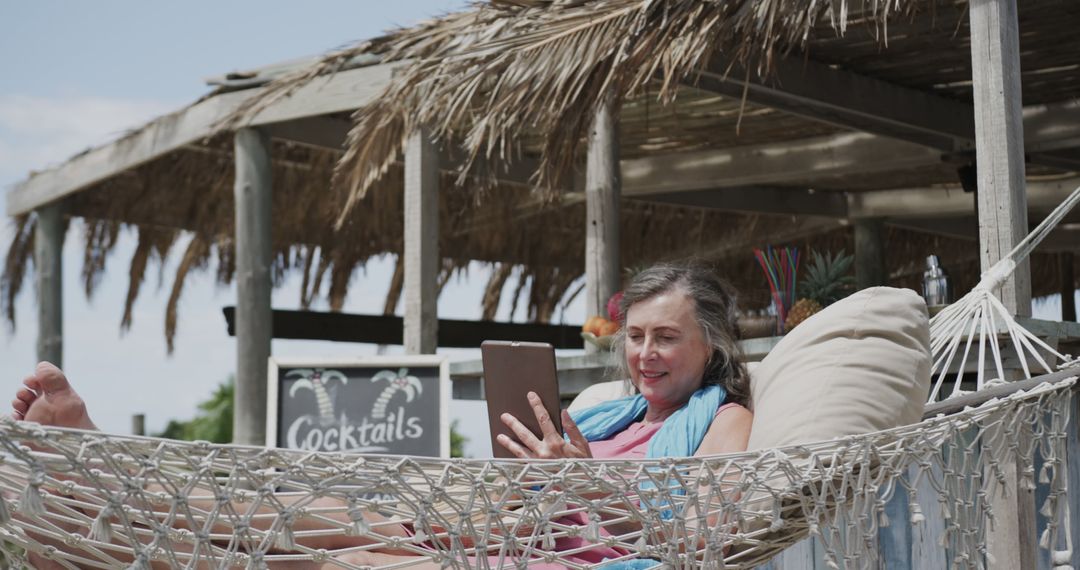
(666, 350)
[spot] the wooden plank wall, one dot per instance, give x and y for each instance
(918, 546)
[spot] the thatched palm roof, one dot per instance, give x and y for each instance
(519, 81)
(514, 74)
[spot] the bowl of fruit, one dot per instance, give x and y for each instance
(600, 331)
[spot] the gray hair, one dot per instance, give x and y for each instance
(715, 311)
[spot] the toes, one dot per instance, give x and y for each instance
(19, 408)
(26, 395)
(50, 378)
(32, 383)
(21, 404)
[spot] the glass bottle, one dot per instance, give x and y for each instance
(935, 283)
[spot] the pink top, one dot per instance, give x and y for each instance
(633, 442)
(630, 443)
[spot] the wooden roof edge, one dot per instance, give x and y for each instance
(340, 92)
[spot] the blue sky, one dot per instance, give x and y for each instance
(77, 74)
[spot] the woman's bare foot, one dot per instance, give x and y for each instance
(49, 399)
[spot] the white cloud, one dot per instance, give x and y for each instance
(38, 132)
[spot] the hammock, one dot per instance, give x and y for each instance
(90, 500)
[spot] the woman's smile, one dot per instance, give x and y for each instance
(666, 351)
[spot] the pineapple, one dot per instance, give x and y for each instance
(827, 281)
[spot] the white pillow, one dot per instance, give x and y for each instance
(861, 365)
(599, 393)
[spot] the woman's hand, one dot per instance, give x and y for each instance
(553, 445)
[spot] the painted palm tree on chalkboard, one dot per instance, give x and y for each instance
(399, 382)
(316, 380)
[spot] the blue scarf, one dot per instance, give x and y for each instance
(680, 435)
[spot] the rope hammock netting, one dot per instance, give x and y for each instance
(89, 500)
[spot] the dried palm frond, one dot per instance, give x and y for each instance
(18, 255)
(194, 258)
(100, 236)
(397, 283)
(493, 290)
(151, 241)
(510, 71)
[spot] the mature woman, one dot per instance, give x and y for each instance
(677, 347)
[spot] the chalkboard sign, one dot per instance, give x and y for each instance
(383, 405)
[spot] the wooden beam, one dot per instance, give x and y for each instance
(49, 279)
(801, 162)
(975, 399)
(870, 253)
(421, 243)
(1042, 197)
(967, 228)
(794, 162)
(826, 93)
(389, 329)
(252, 191)
(341, 92)
(320, 132)
(793, 201)
(603, 269)
(1052, 126)
(800, 228)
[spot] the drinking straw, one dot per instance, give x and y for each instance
(781, 266)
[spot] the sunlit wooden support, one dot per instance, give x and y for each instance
(602, 191)
(1002, 205)
(48, 271)
(253, 194)
(421, 244)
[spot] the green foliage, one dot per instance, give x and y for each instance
(213, 422)
(828, 277)
(457, 441)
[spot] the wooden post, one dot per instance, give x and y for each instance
(1072, 446)
(48, 271)
(798, 556)
(927, 552)
(999, 147)
(602, 189)
(1068, 286)
(421, 324)
(870, 253)
(138, 424)
(999, 142)
(253, 193)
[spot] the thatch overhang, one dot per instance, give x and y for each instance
(735, 133)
